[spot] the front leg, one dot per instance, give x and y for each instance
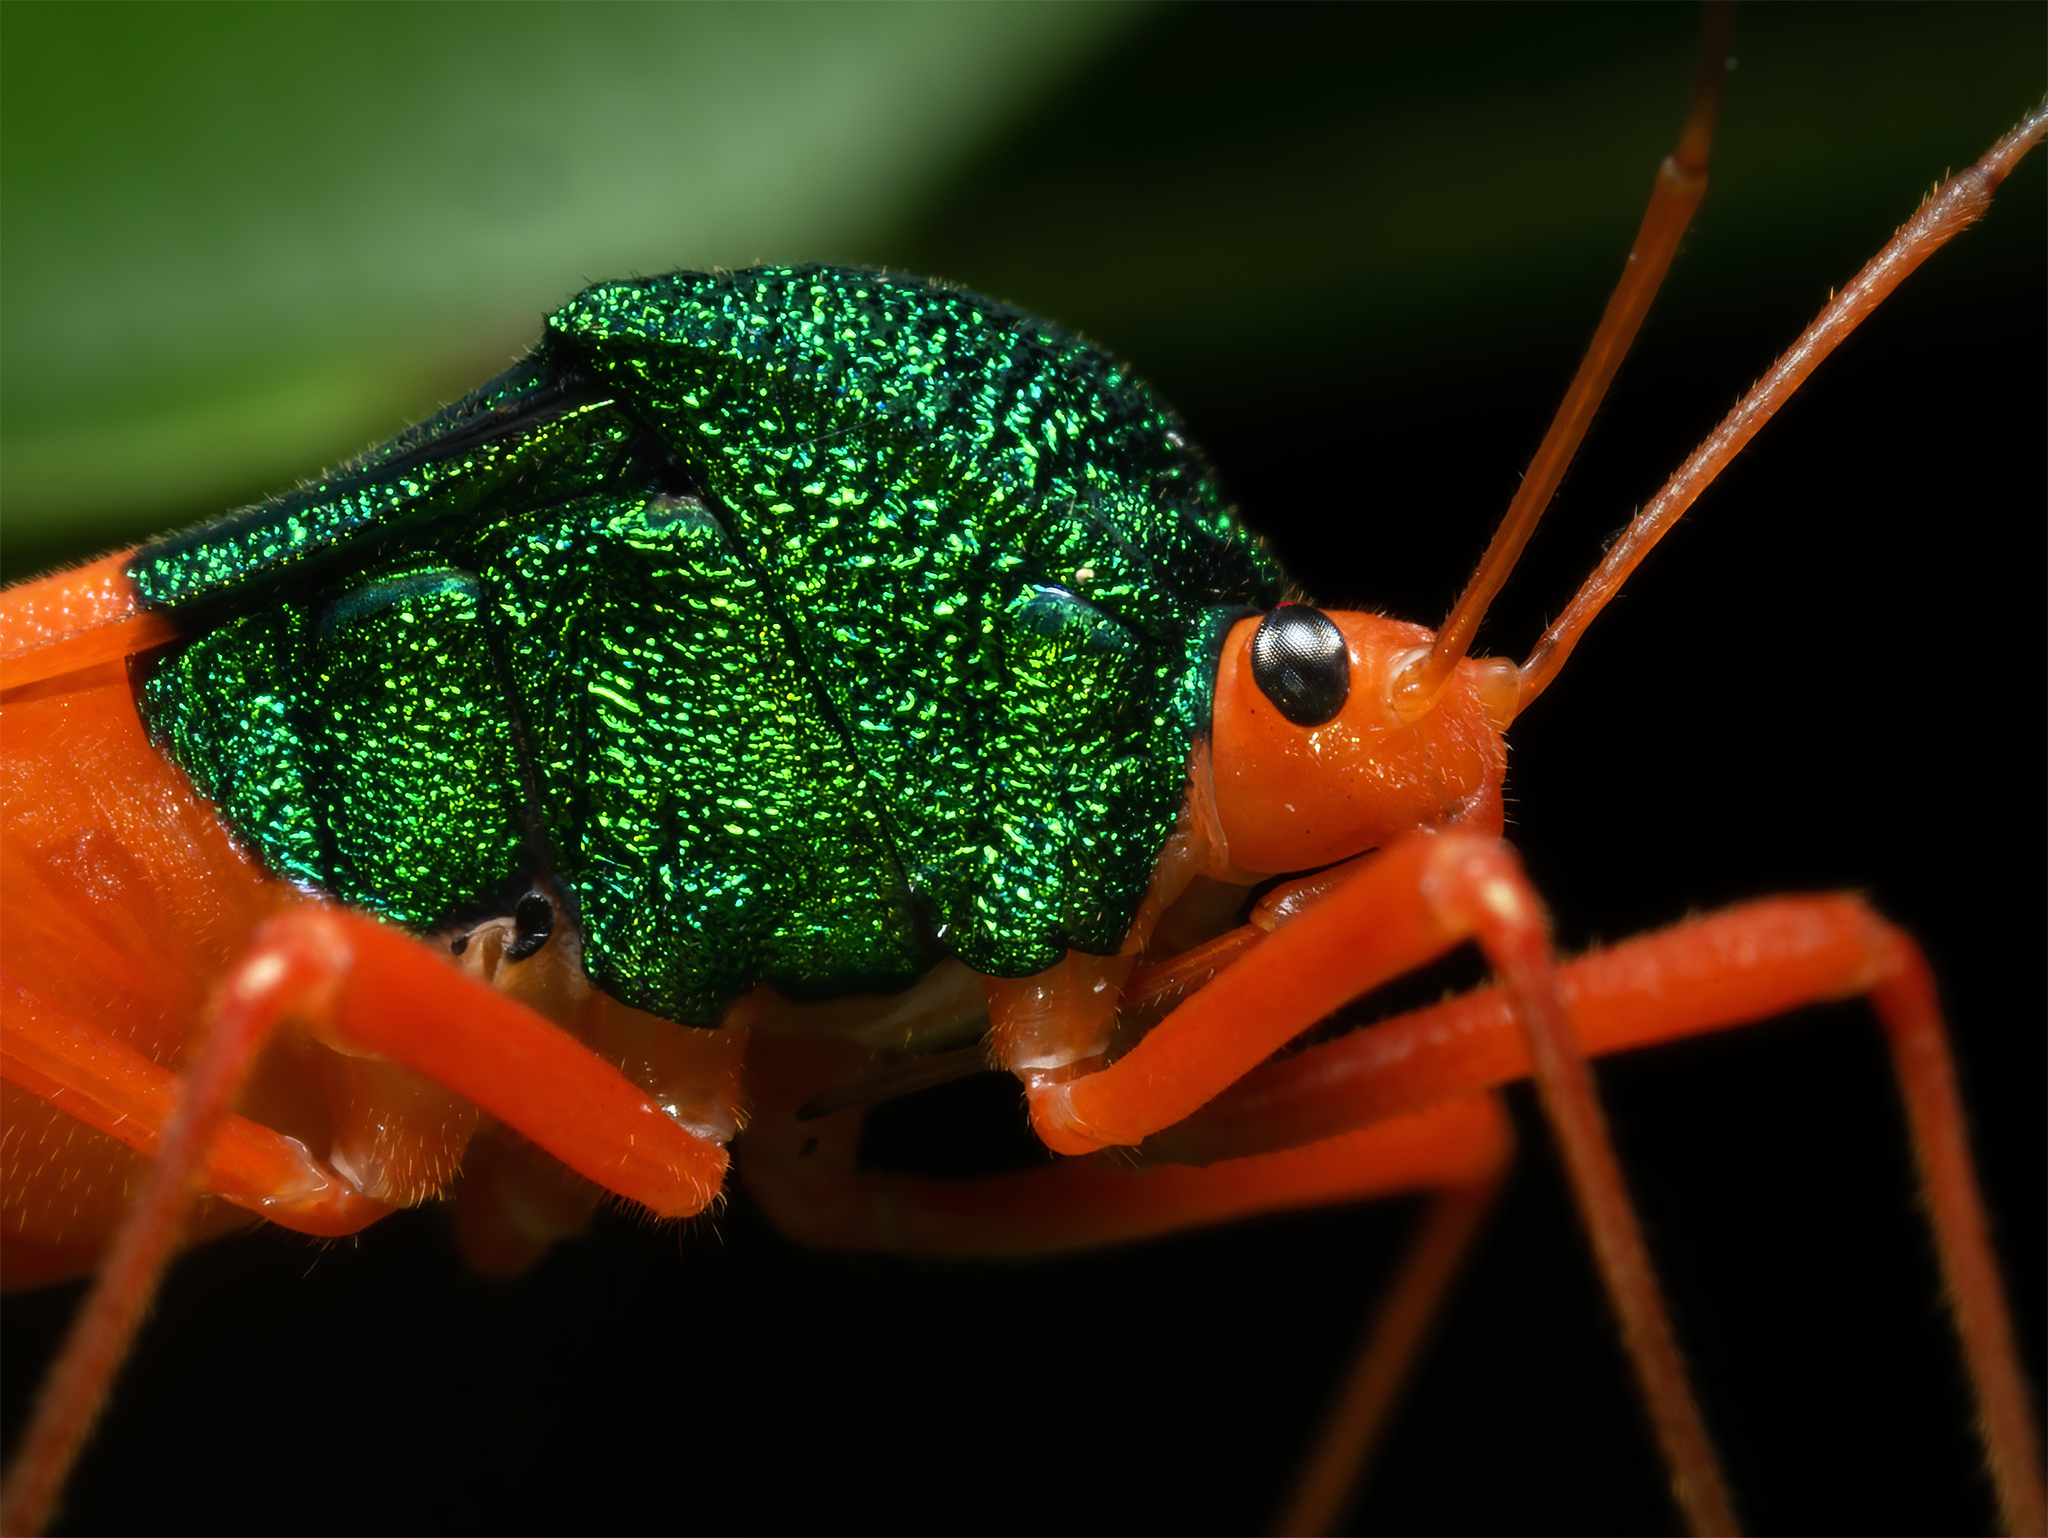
(1708, 974)
(1399, 911)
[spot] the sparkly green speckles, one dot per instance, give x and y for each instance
(416, 749)
(806, 624)
(703, 806)
(357, 742)
(1030, 782)
(424, 488)
(226, 707)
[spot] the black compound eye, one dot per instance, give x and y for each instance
(532, 922)
(1301, 664)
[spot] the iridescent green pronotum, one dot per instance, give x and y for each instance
(805, 625)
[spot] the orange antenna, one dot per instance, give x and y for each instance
(1681, 183)
(1955, 205)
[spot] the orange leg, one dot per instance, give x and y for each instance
(1386, 1359)
(112, 1088)
(1731, 968)
(369, 988)
(804, 1174)
(1400, 910)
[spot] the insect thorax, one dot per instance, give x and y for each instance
(806, 625)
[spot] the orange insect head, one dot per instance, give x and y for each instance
(1293, 796)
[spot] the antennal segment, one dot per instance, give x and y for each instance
(1955, 205)
(1681, 183)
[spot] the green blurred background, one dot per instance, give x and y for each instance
(241, 243)
(1360, 248)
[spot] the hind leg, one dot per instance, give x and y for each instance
(805, 1176)
(106, 1084)
(374, 991)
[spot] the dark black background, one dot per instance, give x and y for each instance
(1829, 677)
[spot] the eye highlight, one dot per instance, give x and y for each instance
(1300, 663)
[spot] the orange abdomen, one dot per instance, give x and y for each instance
(121, 899)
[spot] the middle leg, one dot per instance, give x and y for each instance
(1397, 912)
(806, 1176)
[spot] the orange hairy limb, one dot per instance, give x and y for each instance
(1953, 207)
(370, 987)
(91, 807)
(1749, 963)
(1680, 184)
(1400, 910)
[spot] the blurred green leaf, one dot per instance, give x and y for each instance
(241, 241)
